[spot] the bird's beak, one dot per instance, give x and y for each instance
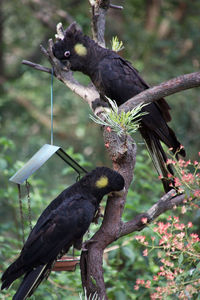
(66, 64)
(118, 193)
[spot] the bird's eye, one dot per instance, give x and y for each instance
(67, 53)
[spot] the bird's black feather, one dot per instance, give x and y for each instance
(61, 225)
(116, 78)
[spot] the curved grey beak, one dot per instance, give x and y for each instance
(118, 193)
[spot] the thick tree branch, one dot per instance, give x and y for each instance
(164, 89)
(92, 260)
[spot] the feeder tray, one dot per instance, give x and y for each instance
(66, 263)
(39, 158)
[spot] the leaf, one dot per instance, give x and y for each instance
(180, 259)
(93, 280)
(128, 253)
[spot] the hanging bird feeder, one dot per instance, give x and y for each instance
(34, 163)
(39, 158)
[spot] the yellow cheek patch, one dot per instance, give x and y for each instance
(80, 49)
(102, 182)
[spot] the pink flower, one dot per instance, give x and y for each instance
(181, 163)
(108, 129)
(177, 181)
(144, 220)
(170, 161)
(107, 145)
(195, 237)
(179, 226)
(189, 224)
(155, 278)
(145, 252)
(197, 193)
(183, 209)
(139, 281)
(187, 163)
(148, 284)
(176, 219)
(136, 287)
(188, 178)
(140, 238)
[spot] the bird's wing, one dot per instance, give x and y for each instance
(161, 103)
(63, 196)
(58, 231)
(121, 81)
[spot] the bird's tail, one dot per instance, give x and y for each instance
(31, 281)
(159, 159)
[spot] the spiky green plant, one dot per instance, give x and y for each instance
(90, 297)
(116, 44)
(120, 122)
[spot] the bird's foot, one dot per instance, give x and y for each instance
(86, 243)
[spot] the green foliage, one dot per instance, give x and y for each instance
(121, 122)
(116, 44)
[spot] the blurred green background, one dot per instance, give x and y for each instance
(161, 39)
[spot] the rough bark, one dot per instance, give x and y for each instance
(164, 89)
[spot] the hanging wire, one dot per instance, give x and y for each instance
(29, 204)
(52, 72)
(21, 212)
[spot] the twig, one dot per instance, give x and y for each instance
(116, 6)
(61, 286)
(36, 66)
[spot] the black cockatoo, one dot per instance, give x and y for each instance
(116, 78)
(61, 225)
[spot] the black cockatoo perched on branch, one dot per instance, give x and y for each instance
(117, 79)
(61, 225)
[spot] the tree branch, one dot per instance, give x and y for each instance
(36, 66)
(92, 260)
(164, 89)
(99, 10)
(167, 202)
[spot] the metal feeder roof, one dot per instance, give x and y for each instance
(39, 158)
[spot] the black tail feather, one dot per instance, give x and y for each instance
(31, 281)
(159, 159)
(14, 271)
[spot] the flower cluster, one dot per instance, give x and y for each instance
(179, 260)
(187, 176)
